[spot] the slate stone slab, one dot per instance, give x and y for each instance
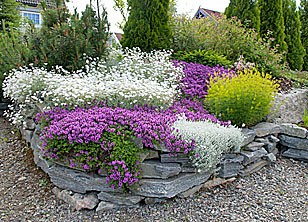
(77, 181)
(293, 130)
(190, 191)
(293, 142)
(103, 206)
(77, 201)
(156, 169)
(249, 136)
(254, 146)
(172, 186)
(250, 157)
(264, 129)
(271, 157)
(229, 170)
(296, 154)
(253, 168)
(178, 158)
(121, 199)
(26, 134)
(147, 154)
(160, 147)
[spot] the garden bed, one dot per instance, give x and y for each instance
(166, 176)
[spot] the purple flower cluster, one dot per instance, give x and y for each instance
(90, 126)
(197, 78)
(120, 178)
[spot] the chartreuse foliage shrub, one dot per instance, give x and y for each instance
(204, 57)
(244, 99)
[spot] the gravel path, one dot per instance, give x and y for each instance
(276, 193)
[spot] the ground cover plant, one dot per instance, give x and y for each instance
(244, 99)
(93, 117)
(197, 77)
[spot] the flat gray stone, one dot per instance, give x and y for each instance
(271, 157)
(254, 146)
(293, 130)
(29, 124)
(155, 200)
(253, 168)
(170, 187)
(250, 157)
(249, 136)
(270, 146)
(77, 201)
(294, 142)
(77, 181)
(103, 206)
(147, 154)
(178, 158)
(120, 198)
(231, 158)
(264, 129)
(156, 169)
(190, 192)
(188, 168)
(229, 170)
(26, 134)
(230, 165)
(42, 163)
(273, 139)
(289, 107)
(296, 154)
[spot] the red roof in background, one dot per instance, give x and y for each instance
(212, 13)
(119, 36)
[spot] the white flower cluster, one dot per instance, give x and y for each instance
(125, 79)
(211, 140)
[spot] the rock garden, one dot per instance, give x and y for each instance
(118, 128)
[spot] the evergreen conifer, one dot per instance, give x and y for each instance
(147, 26)
(304, 30)
(245, 10)
(292, 23)
(272, 20)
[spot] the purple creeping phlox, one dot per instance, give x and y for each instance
(151, 125)
(197, 78)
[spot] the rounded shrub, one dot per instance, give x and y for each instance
(244, 99)
(204, 57)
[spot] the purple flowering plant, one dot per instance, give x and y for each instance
(102, 137)
(196, 80)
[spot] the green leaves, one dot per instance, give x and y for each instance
(244, 99)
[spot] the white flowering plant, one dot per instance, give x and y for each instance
(125, 79)
(210, 139)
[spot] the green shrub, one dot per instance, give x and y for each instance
(244, 99)
(65, 39)
(205, 57)
(14, 52)
(230, 38)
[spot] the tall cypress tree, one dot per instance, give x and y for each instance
(272, 20)
(247, 11)
(304, 30)
(9, 14)
(292, 23)
(147, 26)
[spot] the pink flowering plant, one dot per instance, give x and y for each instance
(103, 138)
(196, 79)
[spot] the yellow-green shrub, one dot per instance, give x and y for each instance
(244, 99)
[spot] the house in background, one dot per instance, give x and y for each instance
(114, 39)
(207, 13)
(30, 9)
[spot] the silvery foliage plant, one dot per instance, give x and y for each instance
(211, 140)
